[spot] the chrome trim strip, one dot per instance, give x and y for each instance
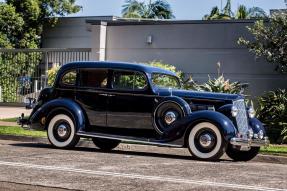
(250, 142)
(106, 136)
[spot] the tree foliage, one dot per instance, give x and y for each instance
(21, 25)
(22, 21)
(272, 110)
(270, 40)
(159, 9)
(242, 12)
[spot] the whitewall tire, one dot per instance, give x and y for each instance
(62, 132)
(205, 142)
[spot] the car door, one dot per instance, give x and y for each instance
(129, 103)
(91, 94)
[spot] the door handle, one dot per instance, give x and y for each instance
(107, 95)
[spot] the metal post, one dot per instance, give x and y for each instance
(0, 94)
(35, 85)
(46, 69)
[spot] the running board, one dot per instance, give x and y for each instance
(126, 139)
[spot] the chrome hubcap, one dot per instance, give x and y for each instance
(62, 130)
(169, 117)
(206, 140)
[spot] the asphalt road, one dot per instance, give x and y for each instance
(30, 166)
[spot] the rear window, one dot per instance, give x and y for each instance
(69, 78)
(96, 78)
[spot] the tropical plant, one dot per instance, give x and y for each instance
(272, 110)
(159, 9)
(220, 84)
(269, 40)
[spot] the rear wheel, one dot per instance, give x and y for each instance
(62, 132)
(205, 141)
(106, 144)
(238, 155)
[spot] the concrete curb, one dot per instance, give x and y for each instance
(86, 143)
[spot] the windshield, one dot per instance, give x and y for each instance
(165, 81)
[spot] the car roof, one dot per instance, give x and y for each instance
(116, 65)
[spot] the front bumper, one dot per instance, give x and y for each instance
(250, 142)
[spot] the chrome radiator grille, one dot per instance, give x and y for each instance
(241, 118)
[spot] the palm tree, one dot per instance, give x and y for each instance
(241, 12)
(227, 9)
(159, 9)
(217, 14)
(251, 13)
(256, 12)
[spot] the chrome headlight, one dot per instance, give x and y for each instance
(251, 112)
(234, 111)
(250, 133)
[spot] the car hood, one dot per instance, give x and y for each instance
(198, 94)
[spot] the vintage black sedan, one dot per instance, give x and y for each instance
(112, 102)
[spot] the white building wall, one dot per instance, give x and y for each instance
(195, 49)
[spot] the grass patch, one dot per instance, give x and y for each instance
(275, 150)
(21, 132)
(10, 119)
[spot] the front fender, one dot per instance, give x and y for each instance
(52, 106)
(182, 127)
(256, 125)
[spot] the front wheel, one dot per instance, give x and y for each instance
(106, 144)
(205, 141)
(238, 155)
(62, 132)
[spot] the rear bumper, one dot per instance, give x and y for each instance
(250, 142)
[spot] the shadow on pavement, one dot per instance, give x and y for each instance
(121, 152)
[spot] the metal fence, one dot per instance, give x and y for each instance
(24, 72)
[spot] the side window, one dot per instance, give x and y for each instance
(96, 78)
(129, 80)
(69, 78)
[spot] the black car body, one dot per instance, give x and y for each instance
(112, 102)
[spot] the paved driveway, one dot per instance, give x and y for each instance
(11, 112)
(30, 166)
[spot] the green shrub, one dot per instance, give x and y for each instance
(272, 110)
(186, 80)
(52, 73)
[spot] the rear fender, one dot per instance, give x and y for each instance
(49, 108)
